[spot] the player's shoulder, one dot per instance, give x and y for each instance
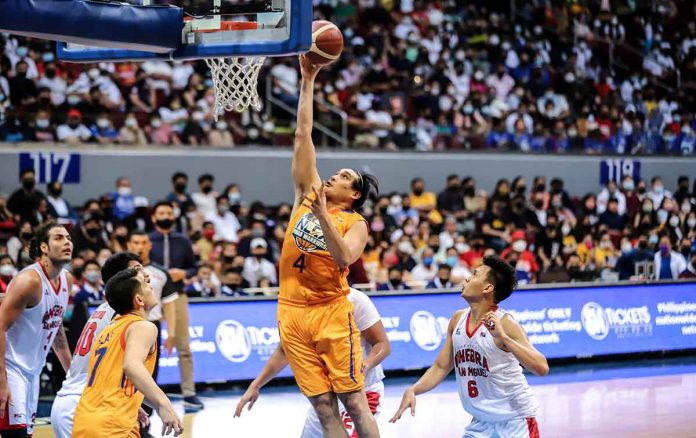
(455, 318)
(28, 278)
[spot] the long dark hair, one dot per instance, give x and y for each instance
(41, 236)
(368, 186)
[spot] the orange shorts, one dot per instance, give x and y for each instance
(322, 346)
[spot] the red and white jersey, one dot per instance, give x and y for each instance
(366, 315)
(30, 338)
(490, 382)
(76, 378)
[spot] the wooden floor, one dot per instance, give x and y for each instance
(635, 407)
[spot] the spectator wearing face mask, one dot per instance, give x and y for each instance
(206, 199)
(58, 206)
(23, 89)
(426, 270)
(92, 288)
(43, 129)
(73, 131)
(658, 193)
(131, 133)
(526, 265)
(395, 280)
(205, 245)
(668, 263)
(206, 284)
(682, 192)
(193, 133)
(425, 202)
(24, 202)
(123, 198)
(220, 135)
(103, 130)
(225, 222)
(89, 235)
(161, 133)
(612, 217)
(443, 278)
(256, 266)
(7, 273)
(234, 284)
(626, 263)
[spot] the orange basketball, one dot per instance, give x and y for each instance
(327, 43)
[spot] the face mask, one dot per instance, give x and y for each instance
(427, 261)
(626, 247)
(124, 191)
(26, 235)
(103, 123)
(73, 125)
(662, 216)
(131, 123)
(400, 128)
(42, 123)
(452, 261)
(93, 276)
(22, 51)
(221, 126)
(206, 189)
(539, 204)
(674, 221)
(565, 229)
(7, 270)
(93, 232)
(180, 187)
(628, 186)
(652, 240)
(121, 239)
(664, 249)
(258, 233)
(28, 184)
(519, 245)
(234, 197)
(164, 224)
(658, 189)
(56, 193)
(691, 222)
(686, 207)
(647, 208)
(156, 123)
(461, 247)
(223, 210)
(74, 100)
(641, 190)
(395, 282)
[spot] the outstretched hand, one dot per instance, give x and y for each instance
(318, 205)
(309, 70)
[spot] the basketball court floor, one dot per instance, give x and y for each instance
(650, 398)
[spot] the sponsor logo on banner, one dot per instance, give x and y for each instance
(598, 321)
(233, 341)
(236, 341)
(427, 331)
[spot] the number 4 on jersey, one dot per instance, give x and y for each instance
(300, 263)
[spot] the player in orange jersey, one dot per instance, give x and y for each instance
(121, 365)
(315, 319)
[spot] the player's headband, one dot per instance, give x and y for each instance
(360, 179)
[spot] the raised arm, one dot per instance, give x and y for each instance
(141, 339)
(24, 291)
(304, 161)
(434, 376)
(274, 365)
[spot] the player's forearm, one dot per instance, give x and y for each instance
(305, 112)
(143, 381)
(62, 349)
(433, 377)
(273, 367)
(338, 248)
(529, 357)
(169, 314)
(377, 354)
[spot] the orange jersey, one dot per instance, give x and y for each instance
(109, 404)
(308, 272)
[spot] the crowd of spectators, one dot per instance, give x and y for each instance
(589, 76)
(220, 244)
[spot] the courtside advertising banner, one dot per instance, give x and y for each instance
(233, 340)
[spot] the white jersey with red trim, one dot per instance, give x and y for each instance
(490, 382)
(366, 315)
(31, 336)
(76, 379)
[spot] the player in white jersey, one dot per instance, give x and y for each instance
(375, 347)
(486, 347)
(66, 400)
(31, 322)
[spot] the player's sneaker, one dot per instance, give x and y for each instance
(193, 402)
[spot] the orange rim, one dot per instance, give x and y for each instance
(228, 25)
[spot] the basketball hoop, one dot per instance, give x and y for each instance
(236, 83)
(235, 79)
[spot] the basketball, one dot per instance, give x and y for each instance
(327, 43)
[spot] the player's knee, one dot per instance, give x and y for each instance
(356, 405)
(326, 407)
(13, 433)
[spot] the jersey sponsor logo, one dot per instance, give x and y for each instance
(53, 317)
(427, 330)
(308, 235)
(599, 321)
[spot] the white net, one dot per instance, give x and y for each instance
(236, 82)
